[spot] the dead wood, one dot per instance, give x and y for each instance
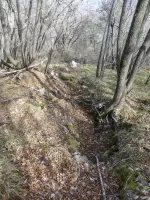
(22, 70)
(101, 180)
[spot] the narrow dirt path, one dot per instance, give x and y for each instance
(95, 141)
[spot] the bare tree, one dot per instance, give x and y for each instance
(124, 80)
(36, 31)
(6, 36)
(104, 45)
(142, 51)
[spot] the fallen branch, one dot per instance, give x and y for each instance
(82, 195)
(146, 148)
(7, 64)
(101, 181)
(22, 70)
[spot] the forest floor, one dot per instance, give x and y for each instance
(50, 143)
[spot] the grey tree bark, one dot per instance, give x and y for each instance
(6, 37)
(127, 54)
(120, 43)
(104, 45)
(147, 81)
(138, 60)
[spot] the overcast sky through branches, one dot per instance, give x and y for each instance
(90, 5)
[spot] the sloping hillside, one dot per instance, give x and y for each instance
(42, 134)
(49, 140)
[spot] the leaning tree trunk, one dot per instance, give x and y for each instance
(138, 61)
(127, 54)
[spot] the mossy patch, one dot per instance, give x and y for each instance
(51, 97)
(72, 143)
(127, 177)
(133, 182)
(11, 177)
(71, 84)
(67, 76)
(72, 130)
(69, 125)
(11, 180)
(37, 103)
(69, 79)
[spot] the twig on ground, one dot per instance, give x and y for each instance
(101, 180)
(83, 195)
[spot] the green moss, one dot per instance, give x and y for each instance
(127, 177)
(71, 84)
(11, 180)
(70, 80)
(37, 103)
(72, 130)
(72, 142)
(67, 76)
(69, 125)
(122, 114)
(146, 188)
(50, 96)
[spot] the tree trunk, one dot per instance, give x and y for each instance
(49, 60)
(127, 54)
(120, 39)
(104, 45)
(138, 61)
(6, 37)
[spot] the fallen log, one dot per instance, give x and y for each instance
(22, 70)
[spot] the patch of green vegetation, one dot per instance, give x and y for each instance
(11, 178)
(104, 89)
(50, 97)
(72, 142)
(140, 89)
(67, 76)
(69, 125)
(71, 84)
(88, 70)
(37, 103)
(72, 130)
(70, 80)
(131, 180)
(127, 177)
